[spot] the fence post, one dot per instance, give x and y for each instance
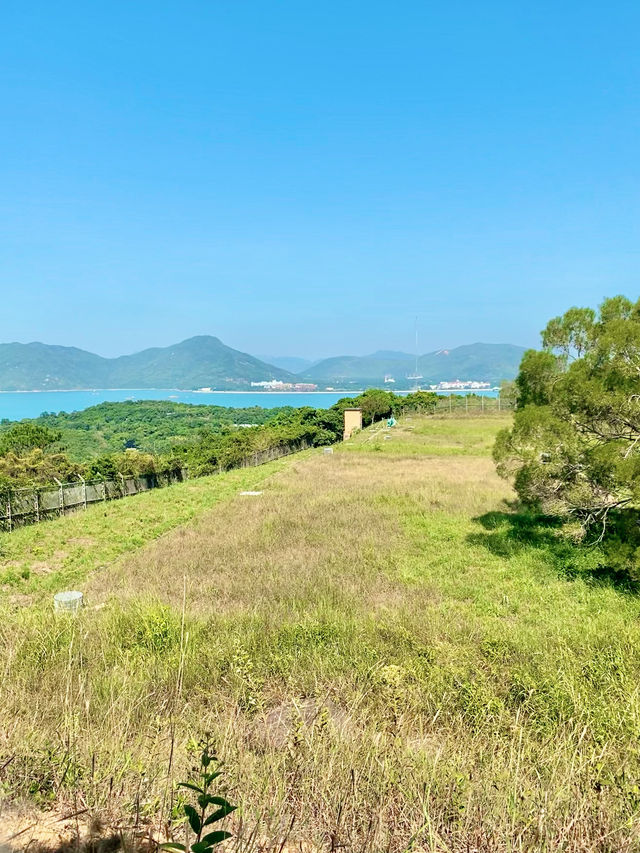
(124, 485)
(60, 497)
(84, 491)
(466, 403)
(9, 518)
(450, 403)
(499, 402)
(36, 501)
(482, 398)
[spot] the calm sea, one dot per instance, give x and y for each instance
(30, 404)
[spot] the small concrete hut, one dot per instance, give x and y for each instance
(352, 422)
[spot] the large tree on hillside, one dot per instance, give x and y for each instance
(574, 448)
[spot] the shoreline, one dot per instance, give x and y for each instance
(265, 393)
(178, 390)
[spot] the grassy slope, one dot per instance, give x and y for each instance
(63, 552)
(381, 647)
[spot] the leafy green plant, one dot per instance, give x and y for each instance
(203, 816)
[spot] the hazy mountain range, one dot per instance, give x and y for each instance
(204, 361)
(289, 362)
(484, 362)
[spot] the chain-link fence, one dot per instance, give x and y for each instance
(472, 404)
(29, 506)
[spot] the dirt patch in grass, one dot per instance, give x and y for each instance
(298, 718)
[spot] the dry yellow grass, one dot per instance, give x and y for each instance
(387, 660)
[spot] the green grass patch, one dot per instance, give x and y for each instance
(55, 554)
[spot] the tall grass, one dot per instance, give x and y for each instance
(389, 655)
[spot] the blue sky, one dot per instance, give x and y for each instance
(306, 178)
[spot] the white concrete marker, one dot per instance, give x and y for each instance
(67, 602)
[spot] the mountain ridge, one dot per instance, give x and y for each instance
(484, 362)
(205, 361)
(201, 361)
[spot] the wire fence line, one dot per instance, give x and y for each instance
(30, 506)
(472, 404)
(24, 506)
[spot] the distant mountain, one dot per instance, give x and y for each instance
(486, 362)
(288, 362)
(392, 354)
(29, 367)
(205, 362)
(199, 362)
(356, 367)
(483, 362)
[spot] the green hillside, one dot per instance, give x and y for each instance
(194, 363)
(202, 361)
(35, 366)
(153, 426)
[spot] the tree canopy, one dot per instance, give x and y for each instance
(25, 436)
(574, 448)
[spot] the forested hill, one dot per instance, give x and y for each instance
(483, 362)
(153, 426)
(194, 363)
(198, 362)
(37, 367)
(205, 361)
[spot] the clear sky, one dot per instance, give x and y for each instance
(305, 178)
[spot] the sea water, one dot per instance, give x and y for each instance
(30, 404)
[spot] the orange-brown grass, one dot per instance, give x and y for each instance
(389, 657)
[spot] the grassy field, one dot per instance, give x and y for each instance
(52, 556)
(387, 653)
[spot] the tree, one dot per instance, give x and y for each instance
(25, 436)
(508, 394)
(574, 448)
(375, 404)
(416, 401)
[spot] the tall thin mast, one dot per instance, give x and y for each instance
(416, 375)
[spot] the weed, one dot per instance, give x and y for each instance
(203, 816)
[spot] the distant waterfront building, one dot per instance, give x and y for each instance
(269, 385)
(278, 385)
(388, 379)
(461, 385)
